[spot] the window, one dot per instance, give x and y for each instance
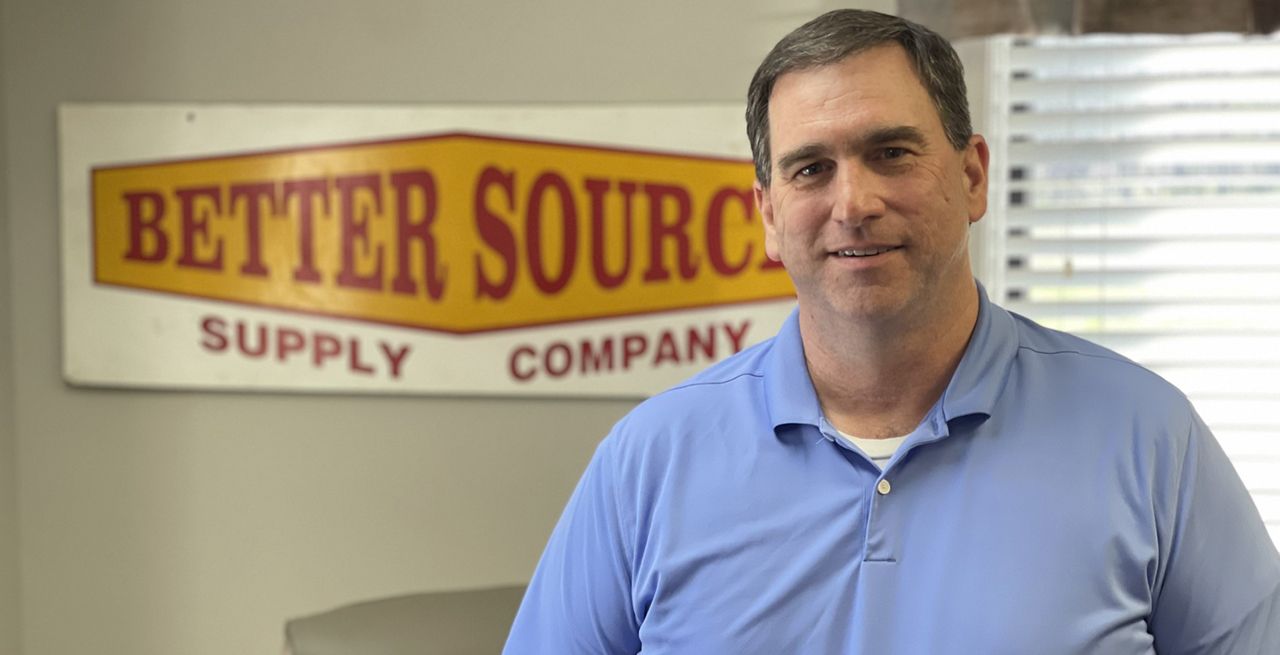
(1136, 203)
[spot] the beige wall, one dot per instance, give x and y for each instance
(9, 633)
(196, 523)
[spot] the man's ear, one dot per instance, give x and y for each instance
(771, 246)
(977, 158)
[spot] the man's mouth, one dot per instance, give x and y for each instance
(868, 252)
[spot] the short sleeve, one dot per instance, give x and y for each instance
(579, 600)
(1219, 589)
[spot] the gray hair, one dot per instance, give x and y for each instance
(837, 34)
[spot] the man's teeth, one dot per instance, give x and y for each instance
(851, 252)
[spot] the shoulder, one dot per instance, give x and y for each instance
(1095, 370)
(726, 395)
(1035, 338)
(726, 380)
(1098, 394)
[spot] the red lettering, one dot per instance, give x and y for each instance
(667, 351)
(307, 189)
(737, 337)
(557, 369)
(355, 227)
(283, 343)
(661, 230)
(497, 235)
(533, 233)
(358, 365)
(521, 374)
(324, 347)
(610, 353)
(633, 346)
(288, 342)
(146, 210)
(596, 189)
(715, 229)
(242, 340)
(705, 342)
(253, 195)
(214, 330)
(394, 357)
(195, 223)
(593, 361)
(407, 230)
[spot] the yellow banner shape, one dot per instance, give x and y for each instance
(457, 233)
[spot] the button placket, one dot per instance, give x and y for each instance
(879, 542)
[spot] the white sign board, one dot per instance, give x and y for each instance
(606, 251)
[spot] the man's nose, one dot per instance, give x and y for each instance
(859, 195)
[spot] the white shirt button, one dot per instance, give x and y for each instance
(884, 487)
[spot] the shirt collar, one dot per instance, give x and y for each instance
(980, 378)
(788, 389)
(974, 387)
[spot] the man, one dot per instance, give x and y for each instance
(906, 467)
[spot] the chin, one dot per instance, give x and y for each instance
(867, 305)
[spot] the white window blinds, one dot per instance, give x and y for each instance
(1136, 202)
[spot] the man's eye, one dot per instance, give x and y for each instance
(893, 153)
(810, 170)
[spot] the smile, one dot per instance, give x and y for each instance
(869, 252)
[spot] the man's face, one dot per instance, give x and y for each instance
(869, 204)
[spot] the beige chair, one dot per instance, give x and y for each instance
(473, 622)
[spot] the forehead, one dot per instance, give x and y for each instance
(872, 89)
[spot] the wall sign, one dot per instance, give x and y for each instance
(576, 250)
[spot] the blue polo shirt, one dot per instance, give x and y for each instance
(1058, 499)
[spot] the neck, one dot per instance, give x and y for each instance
(879, 379)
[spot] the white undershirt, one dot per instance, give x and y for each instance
(879, 450)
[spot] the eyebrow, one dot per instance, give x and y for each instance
(873, 138)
